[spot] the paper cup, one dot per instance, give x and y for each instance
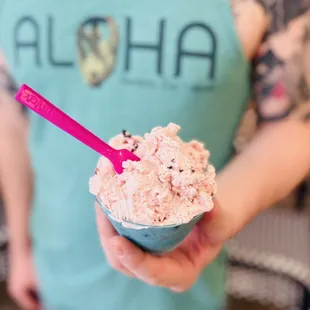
(154, 239)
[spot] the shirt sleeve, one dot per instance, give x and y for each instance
(281, 68)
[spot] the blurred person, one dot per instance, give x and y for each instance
(141, 65)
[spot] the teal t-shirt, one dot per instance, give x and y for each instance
(116, 65)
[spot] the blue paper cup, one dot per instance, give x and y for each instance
(153, 239)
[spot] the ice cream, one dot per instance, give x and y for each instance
(172, 184)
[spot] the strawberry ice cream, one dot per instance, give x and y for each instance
(172, 183)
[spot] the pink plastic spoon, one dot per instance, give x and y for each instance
(37, 103)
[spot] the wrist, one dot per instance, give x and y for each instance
(237, 202)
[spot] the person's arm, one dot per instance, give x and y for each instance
(274, 162)
(278, 158)
(16, 192)
(15, 170)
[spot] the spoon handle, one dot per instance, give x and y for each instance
(37, 103)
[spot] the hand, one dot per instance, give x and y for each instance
(177, 270)
(22, 283)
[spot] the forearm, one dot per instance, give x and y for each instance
(279, 156)
(15, 172)
(276, 160)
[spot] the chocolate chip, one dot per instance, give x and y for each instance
(135, 146)
(96, 171)
(126, 134)
(193, 171)
(170, 167)
(181, 170)
(173, 160)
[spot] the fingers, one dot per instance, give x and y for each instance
(135, 260)
(176, 270)
(172, 270)
(105, 228)
(106, 233)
